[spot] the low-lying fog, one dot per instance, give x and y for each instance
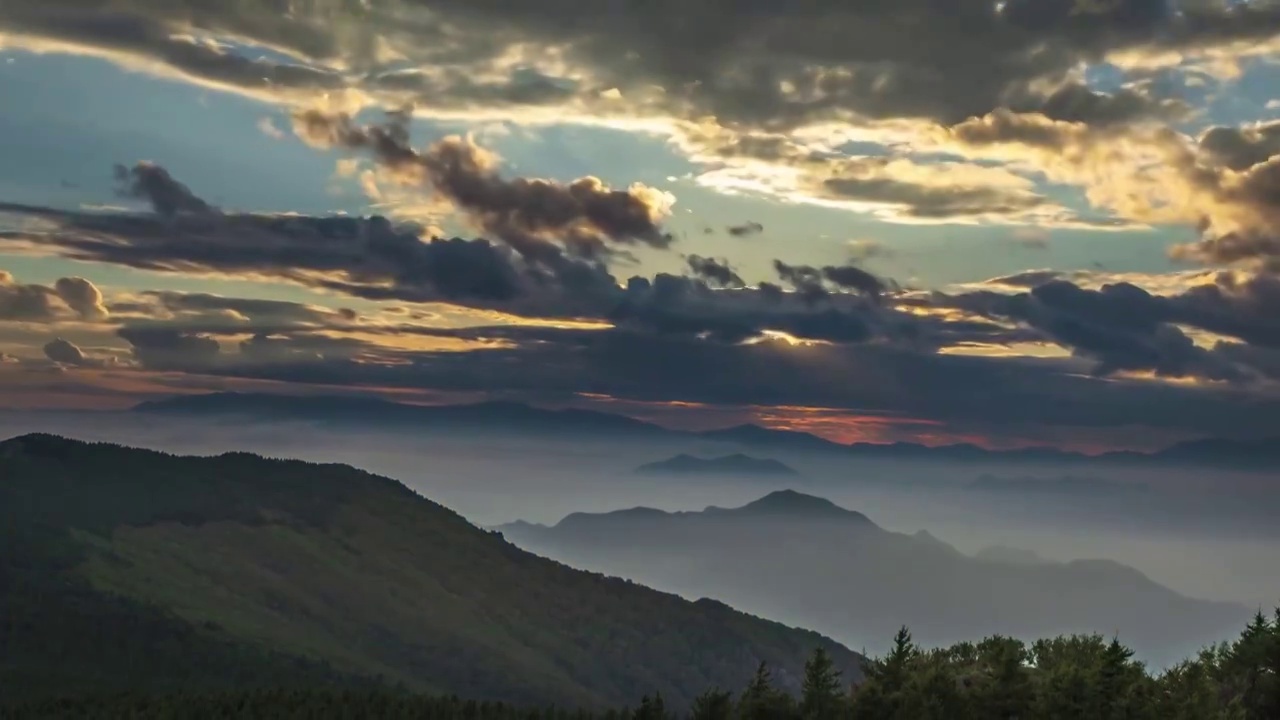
(1204, 533)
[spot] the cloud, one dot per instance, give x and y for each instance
(745, 229)
(159, 348)
(1125, 328)
(893, 187)
(167, 197)
(203, 312)
(969, 394)
(66, 353)
(161, 38)
(526, 214)
(25, 302)
(778, 67)
(1240, 148)
(374, 259)
(678, 339)
(811, 73)
(1224, 182)
(714, 271)
(81, 296)
(363, 257)
(812, 282)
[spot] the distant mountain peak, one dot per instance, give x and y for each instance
(735, 464)
(795, 503)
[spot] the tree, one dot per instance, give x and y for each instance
(651, 708)
(761, 701)
(713, 705)
(823, 696)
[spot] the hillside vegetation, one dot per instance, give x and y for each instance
(134, 570)
(1066, 678)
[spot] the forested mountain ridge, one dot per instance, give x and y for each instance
(121, 565)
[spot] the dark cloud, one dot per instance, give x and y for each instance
(525, 213)
(375, 259)
(717, 272)
(1258, 248)
(811, 282)
(1075, 102)
(167, 197)
(145, 29)
(66, 353)
(1124, 327)
(1240, 148)
(745, 229)
(364, 257)
(746, 64)
(672, 305)
(967, 394)
(159, 348)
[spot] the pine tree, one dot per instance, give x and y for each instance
(651, 708)
(761, 701)
(713, 705)
(822, 697)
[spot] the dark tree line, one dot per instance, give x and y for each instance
(1064, 678)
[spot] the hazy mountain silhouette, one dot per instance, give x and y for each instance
(371, 412)
(806, 560)
(736, 464)
(132, 569)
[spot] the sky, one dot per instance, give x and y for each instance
(1016, 223)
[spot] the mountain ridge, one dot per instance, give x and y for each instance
(836, 570)
(336, 568)
(1245, 454)
(735, 464)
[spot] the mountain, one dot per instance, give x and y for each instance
(1261, 454)
(736, 464)
(132, 569)
(805, 560)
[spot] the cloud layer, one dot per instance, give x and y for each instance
(976, 113)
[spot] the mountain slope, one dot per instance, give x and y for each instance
(811, 562)
(1262, 454)
(341, 574)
